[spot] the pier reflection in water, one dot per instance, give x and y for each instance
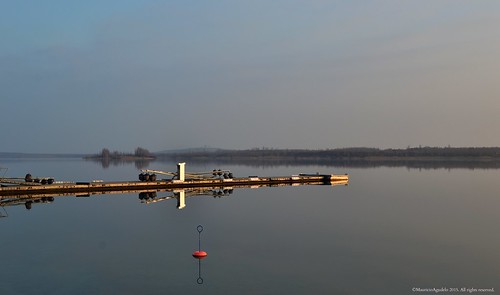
(146, 197)
(180, 195)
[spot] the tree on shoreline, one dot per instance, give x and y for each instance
(142, 152)
(105, 153)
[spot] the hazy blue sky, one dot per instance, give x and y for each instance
(77, 76)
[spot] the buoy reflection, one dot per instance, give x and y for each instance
(200, 279)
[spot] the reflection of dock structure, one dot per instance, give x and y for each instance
(19, 191)
(149, 196)
(181, 181)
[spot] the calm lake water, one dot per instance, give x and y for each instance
(389, 231)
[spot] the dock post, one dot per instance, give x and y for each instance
(181, 171)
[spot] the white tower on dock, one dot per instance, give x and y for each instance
(181, 171)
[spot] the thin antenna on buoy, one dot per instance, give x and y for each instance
(199, 254)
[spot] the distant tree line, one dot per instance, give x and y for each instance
(297, 155)
(413, 157)
(344, 153)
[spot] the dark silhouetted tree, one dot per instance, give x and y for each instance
(142, 152)
(105, 153)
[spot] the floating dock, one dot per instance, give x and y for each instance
(147, 182)
(167, 184)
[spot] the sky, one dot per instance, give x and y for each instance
(78, 76)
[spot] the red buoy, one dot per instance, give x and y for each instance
(199, 254)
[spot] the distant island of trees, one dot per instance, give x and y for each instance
(141, 157)
(106, 154)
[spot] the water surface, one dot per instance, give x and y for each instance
(388, 231)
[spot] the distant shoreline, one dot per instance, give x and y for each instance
(8, 155)
(365, 154)
(420, 157)
(121, 158)
(481, 154)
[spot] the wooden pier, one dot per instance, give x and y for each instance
(166, 184)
